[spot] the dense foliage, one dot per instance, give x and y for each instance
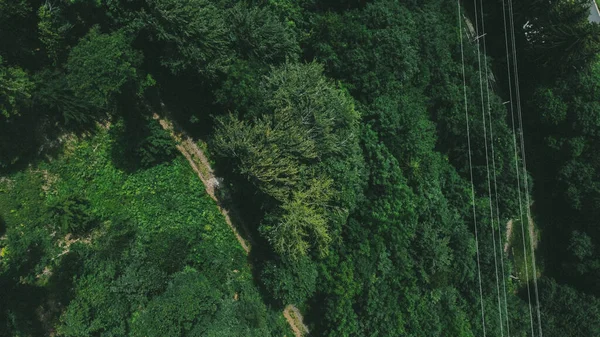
(114, 253)
(558, 48)
(300, 149)
(339, 129)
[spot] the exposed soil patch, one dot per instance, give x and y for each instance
(295, 320)
(68, 240)
(49, 180)
(65, 244)
(509, 229)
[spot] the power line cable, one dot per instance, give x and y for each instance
(462, 55)
(487, 165)
(522, 137)
(487, 87)
(511, 107)
(522, 220)
(497, 206)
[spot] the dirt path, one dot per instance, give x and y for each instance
(532, 234)
(201, 166)
(295, 320)
(509, 229)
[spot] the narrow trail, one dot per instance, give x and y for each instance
(532, 234)
(295, 320)
(200, 164)
(509, 228)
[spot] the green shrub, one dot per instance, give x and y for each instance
(290, 282)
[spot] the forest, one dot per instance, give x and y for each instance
(381, 167)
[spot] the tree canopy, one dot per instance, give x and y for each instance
(330, 141)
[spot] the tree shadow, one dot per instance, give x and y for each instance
(61, 283)
(191, 103)
(140, 143)
(19, 304)
(33, 137)
(2, 226)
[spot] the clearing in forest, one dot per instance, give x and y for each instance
(514, 247)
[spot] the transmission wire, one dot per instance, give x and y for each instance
(462, 55)
(528, 204)
(496, 194)
(487, 87)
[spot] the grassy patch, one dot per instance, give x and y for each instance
(522, 264)
(147, 232)
(204, 147)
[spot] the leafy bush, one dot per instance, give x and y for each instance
(141, 142)
(301, 148)
(184, 309)
(292, 281)
(100, 66)
(15, 90)
(72, 214)
(158, 244)
(156, 146)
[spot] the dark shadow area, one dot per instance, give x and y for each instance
(315, 311)
(240, 195)
(19, 302)
(19, 308)
(23, 139)
(15, 33)
(35, 136)
(61, 282)
(2, 226)
(140, 142)
(190, 101)
(188, 95)
(335, 5)
(116, 241)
